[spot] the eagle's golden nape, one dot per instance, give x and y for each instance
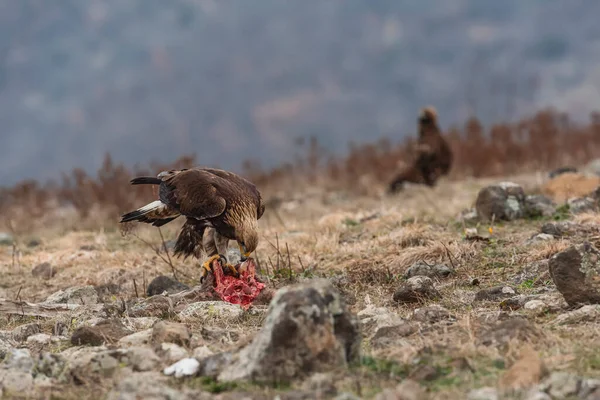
(218, 206)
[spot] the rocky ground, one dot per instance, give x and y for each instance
(473, 290)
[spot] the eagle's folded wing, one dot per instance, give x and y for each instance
(193, 193)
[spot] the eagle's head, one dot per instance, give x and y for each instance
(246, 235)
(428, 115)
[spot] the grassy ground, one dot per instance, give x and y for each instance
(370, 242)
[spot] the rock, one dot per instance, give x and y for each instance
(108, 331)
(155, 306)
(170, 352)
(22, 332)
(502, 332)
(321, 385)
(141, 323)
(587, 313)
(536, 305)
(590, 389)
(562, 170)
(468, 215)
(525, 373)
(43, 271)
(504, 201)
(211, 310)
(373, 318)
(140, 358)
(416, 289)
(580, 205)
(421, 268)
(432, 314)
(575, 274)
(534, 394)
(561, 385)
(75, 295)
(185, 367)
(92, 365)
(171, 332)
(495, 293)
(107, 293)
(308, 329)
(567, 228)
(136, 339)
(407, 390)
(40, 339)
(485, 393)
(539, 206)
(148, 385)
(7, 343)
(346, 396)
(388, 335)
(19, 360)
(212, 366)
(15, 383)
(202, 352)
(49, 364)
(540, 237)
(224, 336)
(163, 283)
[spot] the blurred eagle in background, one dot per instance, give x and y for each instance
(218, 205)
(434, 157)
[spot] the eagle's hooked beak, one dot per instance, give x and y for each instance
(244, 253)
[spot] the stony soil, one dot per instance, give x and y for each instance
(399, 297)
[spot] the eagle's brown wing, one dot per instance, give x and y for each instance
(242, 183)
(193, 193)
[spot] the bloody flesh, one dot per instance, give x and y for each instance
(242, 290)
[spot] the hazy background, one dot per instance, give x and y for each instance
(237, 79)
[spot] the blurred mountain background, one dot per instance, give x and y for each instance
(235, 80)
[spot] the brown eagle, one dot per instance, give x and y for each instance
(218, 205)
(434, 156)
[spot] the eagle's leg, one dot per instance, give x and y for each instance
(222, 243)
(207, 266)
(214, 246)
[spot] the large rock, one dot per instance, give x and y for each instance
(308, 329)
(74, 295)
(504, 201)
(575, 272)
(416, 289)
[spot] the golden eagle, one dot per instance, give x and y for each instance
(218, 205)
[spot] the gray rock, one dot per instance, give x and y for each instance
(43, 271)
(149, 385)
(136, 339)
(590, 389)
(504, 201)
(561, 385)
(537, 306)
(15, 383)
(140, 359)
(163, 283)
(432, 314)
(539, 206)
(171, 353)
(485, 393)
(540, 237)
(495, 293)
(40, 339)
(416, 289)
(50, 365)
(171, 332)
(19, 360)
(575, 274)
(386, 336)
(308, 329)
(212, 366)
(567, 228)
(421, 268)
(587, 313)
(537, 395)
(502, 332)
(201, 352)
(155, 306)
(580, 205)
(22, 332)
(74, 295)
(407, 390)
(211, 310)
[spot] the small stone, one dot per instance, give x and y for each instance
(540, 237)
(141, 323)
(495, 293)
(588, 313)
(202, 352)
(502, 332)
(504, 201)
(582, 204)
(109, 332)
(40, 339)
(416, 289)
(170, 352)
(171, 332)
(155, 306)
(575, 273)
(137, 339)
(163, 283)
(534, 394)
(536, 305)
(50, 365)
(432, 271)
(388, 335)
(84, 295)
(43, 270)
(22, 332)
(485, 393)
(142, 359)
(185, 367)
(431, 314)
(211, 310)
(539, 206)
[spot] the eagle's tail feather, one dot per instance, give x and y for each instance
(145, 180)
(157, 213)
